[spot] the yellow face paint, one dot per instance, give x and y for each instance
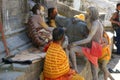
(42, 8)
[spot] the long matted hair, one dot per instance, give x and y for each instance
(93, 15)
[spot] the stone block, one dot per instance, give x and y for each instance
(66, 10)
(51, 3)
(16, 41)
(1, 47)
(37, 66)
(21, 68)
(29, 45)
(13, 15)
(5, 67)
(12, 75)
(0, 9)
(34, 75)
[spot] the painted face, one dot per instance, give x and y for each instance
(42, 10)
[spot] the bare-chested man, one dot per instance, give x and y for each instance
(95, 34)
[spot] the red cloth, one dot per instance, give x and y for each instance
(94, 53)
(91, 58)
(96, 49)
(46, 46)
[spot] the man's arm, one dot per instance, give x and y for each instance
(89, 38)
(42, 23)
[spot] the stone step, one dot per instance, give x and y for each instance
(15, 41)
(21, 72)
(12, 75)
(37, 66)
(25, 72)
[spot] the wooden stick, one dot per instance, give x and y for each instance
(3, 39)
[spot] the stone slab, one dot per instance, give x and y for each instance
(15, 42)
(10, 75)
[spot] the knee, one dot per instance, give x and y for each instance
(103, 68)
(72, 50)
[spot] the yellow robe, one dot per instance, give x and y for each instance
(56, 62)
(56, 66)
(106, 52)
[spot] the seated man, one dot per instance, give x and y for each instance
(38, 30)
(52, 12)
(56, 66)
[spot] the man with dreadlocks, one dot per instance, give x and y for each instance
(94, 38)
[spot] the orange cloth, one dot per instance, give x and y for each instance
(94, 53)
(106, 52)
(56, 62)
(89, 56)
(56, 66)
(47, 46)
(96, 49)
(71, 75)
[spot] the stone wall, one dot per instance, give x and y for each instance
(67, 10)
(14, 14)
(0, 8)
(51, 3)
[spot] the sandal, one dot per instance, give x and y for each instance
(110, 70)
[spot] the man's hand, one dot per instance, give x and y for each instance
(71, 45)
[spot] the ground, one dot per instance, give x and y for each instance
(114, 64)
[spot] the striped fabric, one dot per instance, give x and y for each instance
(106, 52)
(56, 62)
